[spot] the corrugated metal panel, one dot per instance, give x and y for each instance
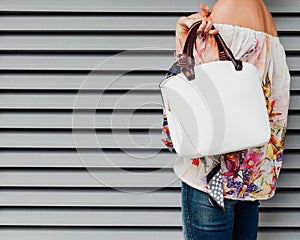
(127, 189)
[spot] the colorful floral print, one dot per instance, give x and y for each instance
(251, 173)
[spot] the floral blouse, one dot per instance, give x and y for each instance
(250, 174)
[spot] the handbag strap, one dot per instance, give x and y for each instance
(187, 62)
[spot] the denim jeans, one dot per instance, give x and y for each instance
(203, 221)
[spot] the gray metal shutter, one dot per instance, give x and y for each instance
(47, 50)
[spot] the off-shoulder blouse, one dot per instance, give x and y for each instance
(250, 174)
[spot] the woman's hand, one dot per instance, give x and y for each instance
(184, 23)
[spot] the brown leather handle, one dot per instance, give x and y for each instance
(187, 62)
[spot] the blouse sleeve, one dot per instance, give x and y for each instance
(277, 89)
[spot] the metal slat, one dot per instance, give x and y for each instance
(80, 42)
(124, 217)
(282, 200)
(278, 233)
(279, 6)
(92, 139)
(90, 178)
(76, 233)
(91, 197)
(295, 82)
(87, 23)
(77, 42)
(113, 198)
(100, 81)
(19, 233)
(98, 6)
(86, 217)
(75, 81)
(81, 139)
(115, 23)
(81, 100)
(128, 6)
(285, 218)
(126, 61)
(133, 158)
(133, 100)
(115, 120)
(293, 121)
(114, 177)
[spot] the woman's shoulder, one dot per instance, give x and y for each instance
(249, 14)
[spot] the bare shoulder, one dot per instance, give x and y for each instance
(224, 11)
(252, 14)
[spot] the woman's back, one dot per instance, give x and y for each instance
(252, 14)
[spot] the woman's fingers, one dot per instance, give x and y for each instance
(205, 26)
(189, 22)
(205, 9)
(202, 25)
(213, 32)
(209, 24)
(184, 23)
(197, 16)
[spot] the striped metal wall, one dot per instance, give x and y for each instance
(81, 155)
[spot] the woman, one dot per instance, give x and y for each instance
(250, 175)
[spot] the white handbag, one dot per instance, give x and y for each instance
(216, 107)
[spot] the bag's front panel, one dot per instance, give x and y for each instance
(246, 118)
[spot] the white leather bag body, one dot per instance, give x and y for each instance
(215, 107)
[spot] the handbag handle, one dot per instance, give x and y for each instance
(187, 62)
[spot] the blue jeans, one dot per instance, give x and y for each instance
(203, 221)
